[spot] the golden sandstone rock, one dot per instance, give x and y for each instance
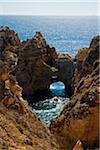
(20, 128)
(77, 126)
(34, 61)
(78, 146)
(79, 119)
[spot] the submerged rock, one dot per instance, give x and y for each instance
(20, 128)
(80, 117)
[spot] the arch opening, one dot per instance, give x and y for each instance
(57, 88)
(51, 101)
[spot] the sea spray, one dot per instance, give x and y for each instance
(49, 108)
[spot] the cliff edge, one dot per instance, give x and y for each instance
(79, 119)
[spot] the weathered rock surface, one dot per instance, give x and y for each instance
(65, 66)
(20, 128)
(34, 62)
(78, 146)
(38, 62)
(85, 59)
(8, 37)
(35, 65)
(79, 119)
(9, 55)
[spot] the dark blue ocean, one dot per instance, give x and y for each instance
(66, 34)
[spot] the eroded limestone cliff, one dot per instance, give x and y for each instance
(20, 128)
(34, 62)
(79, 119)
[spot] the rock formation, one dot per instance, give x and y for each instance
(85, 59)
(65, 66)
(78, 146)
(35, 65)
(20, 128)
(8, 38)
(34, 62)
(79, 119)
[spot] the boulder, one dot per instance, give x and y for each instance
(79, 119)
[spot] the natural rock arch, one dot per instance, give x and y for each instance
(34, 62)
(37, 76)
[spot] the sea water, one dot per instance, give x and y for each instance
(49, 108)
(66, 34)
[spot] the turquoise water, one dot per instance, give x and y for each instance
(48, 104)
(58, 89)
(66, 34)
(49, 108)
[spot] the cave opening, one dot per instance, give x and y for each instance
(55, 88)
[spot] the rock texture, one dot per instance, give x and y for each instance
(86, 57)
(8, 38)
(78, 146)
(9, 55)
(20, 128)
(34, 62)
(38, 62)
(35, 65)
(79, 119)
(65, 66)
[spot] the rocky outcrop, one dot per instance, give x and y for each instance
(8, 37)
(9, 55)
(34, 62)
(79, 119)
(85, 59)
(65, 66)
(35, 65)
(20, 128)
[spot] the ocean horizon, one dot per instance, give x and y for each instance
(65, 33)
